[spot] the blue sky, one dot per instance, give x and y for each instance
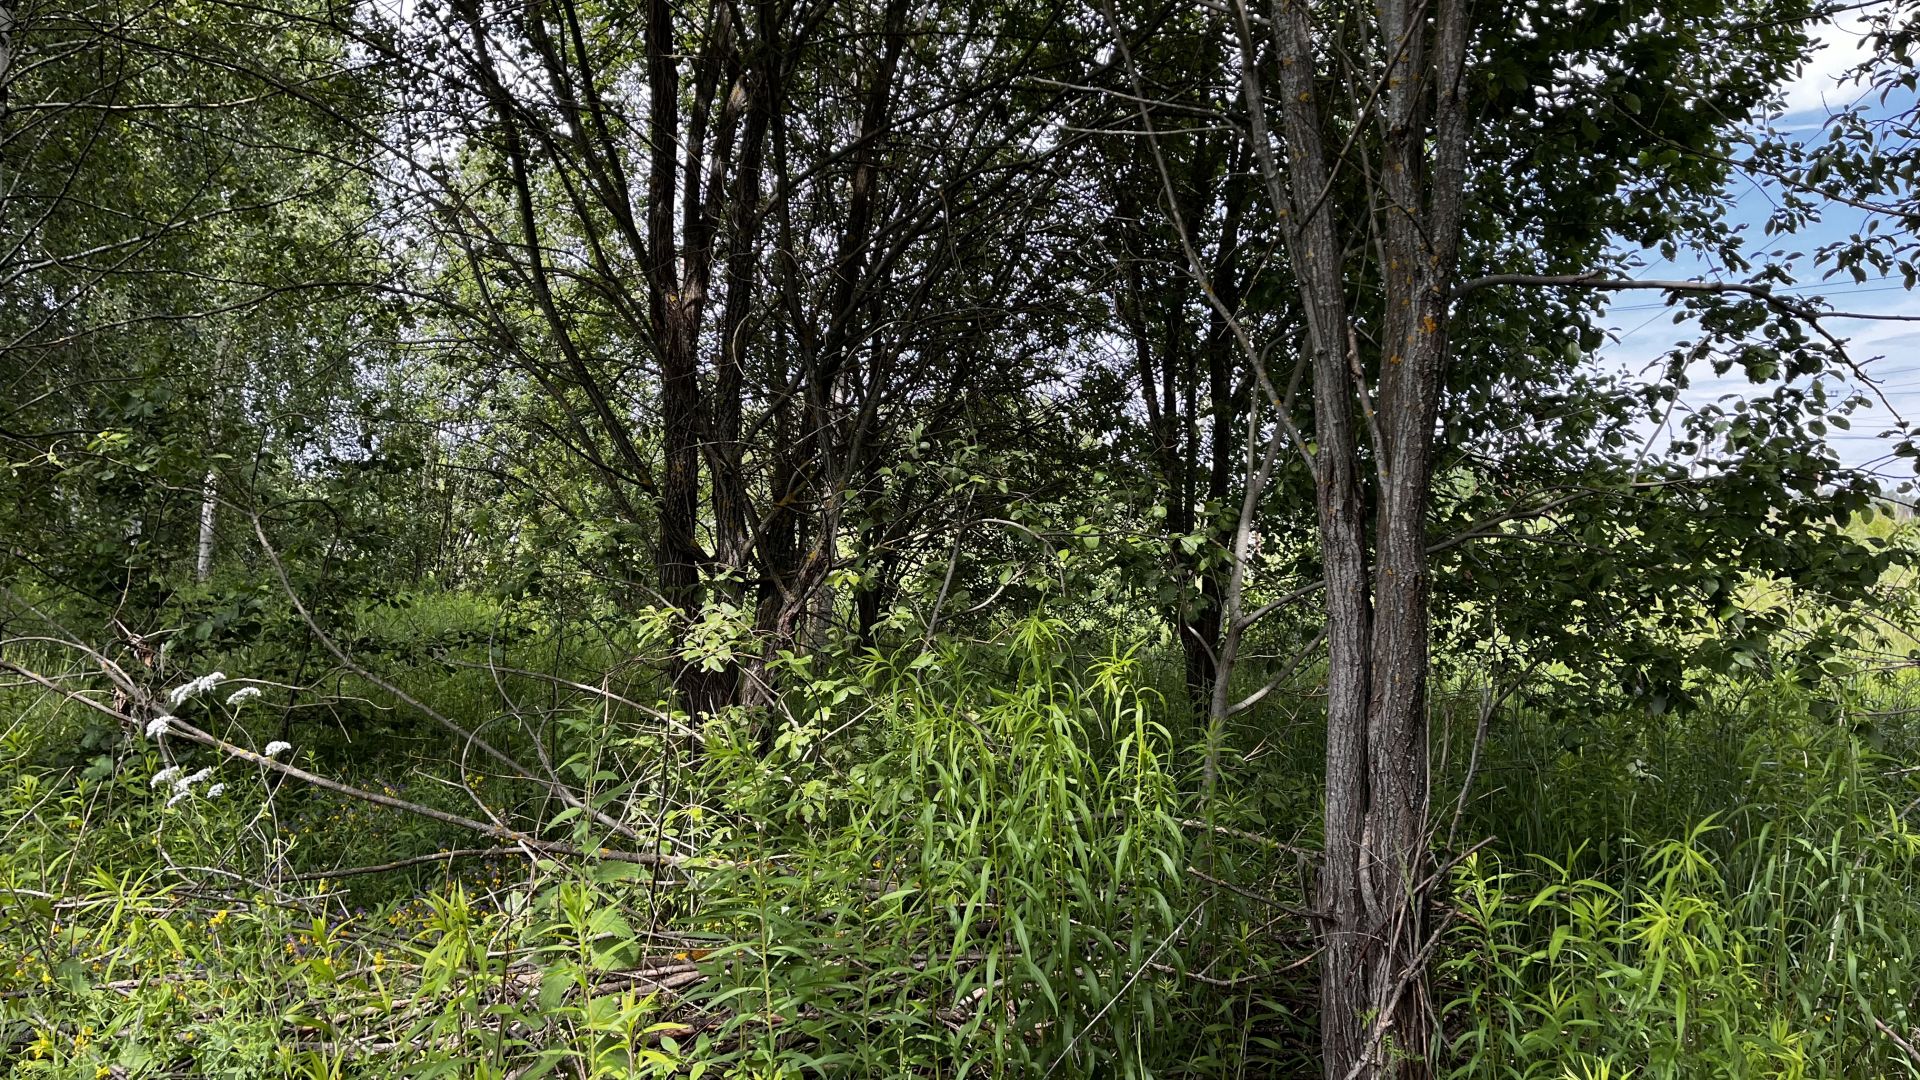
(1888, 351)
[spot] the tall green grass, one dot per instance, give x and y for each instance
(1735, 894)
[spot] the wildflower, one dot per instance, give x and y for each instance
(216, 791)
(177, 796)
(245, 693)
(157, 727)
(186, 782)
(278, 747)
(188, 690)
(164, 775)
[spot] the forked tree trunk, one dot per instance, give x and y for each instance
(1375, 1020)
(678, 283)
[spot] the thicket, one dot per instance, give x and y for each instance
(869, 538)
(960, 857)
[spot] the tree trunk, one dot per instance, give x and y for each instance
(1374, 1016)
(681, 558)
(209, 506)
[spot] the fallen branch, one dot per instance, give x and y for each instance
(417, 860)
(1242, 834)
(1897, 1040)
(1240, 890)
(176, 726)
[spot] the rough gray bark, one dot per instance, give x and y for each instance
(1371, 461)
(1374, 1020)
(1315, 250)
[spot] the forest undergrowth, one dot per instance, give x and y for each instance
(990, 858)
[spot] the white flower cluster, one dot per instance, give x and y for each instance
(157, 727)
(187, 691)
(183, 785)
(244, 694)
(277, 747)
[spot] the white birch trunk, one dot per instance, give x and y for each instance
(203, 563)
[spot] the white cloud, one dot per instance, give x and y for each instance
(1889, 351)
(1840, 46)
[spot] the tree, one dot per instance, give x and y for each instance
(740, 261)
(1384, 140)
(1184, 364)
(177, 245)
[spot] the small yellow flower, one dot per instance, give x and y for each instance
(219, 917)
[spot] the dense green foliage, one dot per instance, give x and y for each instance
(858, 538)
(984, 862)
